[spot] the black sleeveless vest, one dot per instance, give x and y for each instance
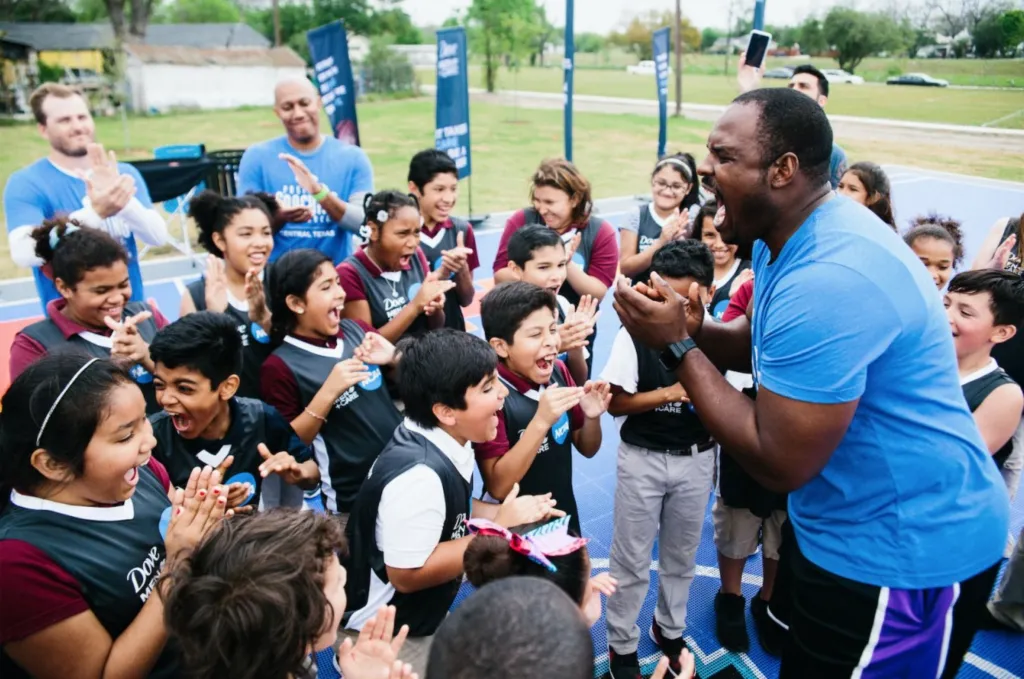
(453, 317)
(115, 562)
(49, 335)
(720, 302)
(975, 393)
(246, 432)
(551, 471)
(1010, 354)
(359, 425)
(256, 345)
(386, 303)
(424, 610)
(582, 256)
(673, 426)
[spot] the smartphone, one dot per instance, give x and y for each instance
(757, 48)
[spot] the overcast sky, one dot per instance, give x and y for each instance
(601, 16)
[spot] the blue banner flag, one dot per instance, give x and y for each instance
(759, 15)
(660, 40)
(451, 130)
(567, 65)
(328, 49)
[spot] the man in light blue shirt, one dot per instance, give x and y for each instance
(319, 181)
(899, 515)
(77, 179)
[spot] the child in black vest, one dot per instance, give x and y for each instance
(274, 576)
(89, 523)
(447, 242)
(665, 473)
(407, 533)
(388, 282)
(545, 413)
(198, 360)
(333, 400)
(730, 272)
(237, 231)
(537, 255)
(94, 314)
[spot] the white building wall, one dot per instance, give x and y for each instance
(165, 86)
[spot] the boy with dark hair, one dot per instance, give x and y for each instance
(512, 628)
(448, 242)
(538, 255)
(545, 414)
(198, 360)
(666, 465)
(407, 533)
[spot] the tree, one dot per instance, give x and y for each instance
(953, 17)
(543, 34)
(812, 37)
(202, 12)
(129, 18)
(856, 35)
(636, 37)
(589, 43)
(999, 34)
(36, 10)
(497, 28)
(708, 37)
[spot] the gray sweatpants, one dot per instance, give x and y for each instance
(652, 489)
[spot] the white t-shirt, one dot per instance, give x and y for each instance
(410, 517)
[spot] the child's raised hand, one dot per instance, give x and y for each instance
(375, 350)
(126, 342)
(256, 296)
(603, 583)
(375, 653)
(192, 517)
(454, 260)
(216, 284)
(346, 374)
(432, 290)
(1002, 253)
(237, 492)
(555, 402)
(587, 310)
(673, 228)
(745, 275)
(687, 667)
(282, 464)
(597, 396)
(574, 332)
(572, 246)
(515, 510)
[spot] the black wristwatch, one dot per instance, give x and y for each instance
(674, 353)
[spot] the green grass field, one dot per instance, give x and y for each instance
(925, 104)
(967, 72)
(615, 151)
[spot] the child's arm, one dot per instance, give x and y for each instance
(503, 472)
(597, 396)
(576, 362)
(998, 416)
(623, 403)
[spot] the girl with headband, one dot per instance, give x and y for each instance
(675, 198)
(89, 523)
(93, 313)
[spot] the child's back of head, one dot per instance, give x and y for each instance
(527, 240)
(685, 259)
(257, 595)
(206, 342)
(513, 628)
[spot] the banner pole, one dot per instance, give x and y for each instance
(567, 65)
(759, 15)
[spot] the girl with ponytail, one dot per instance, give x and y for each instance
(237, 231)
(388, 283)
(93, 313)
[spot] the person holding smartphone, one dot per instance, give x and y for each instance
(806, 79)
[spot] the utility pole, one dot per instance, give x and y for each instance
(679, 58)
(277, 24)
(728, 37)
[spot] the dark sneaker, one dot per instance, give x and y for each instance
(730, 622)
(625, 666)
(771, 635)
(671, 648)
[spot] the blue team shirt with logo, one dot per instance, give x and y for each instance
(343, 167)
(910, 498)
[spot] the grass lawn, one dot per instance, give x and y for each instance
(934, 105)
(615, 151)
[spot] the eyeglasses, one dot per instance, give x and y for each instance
(664, 186)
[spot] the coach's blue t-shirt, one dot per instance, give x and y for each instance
(343, 167)
(42, 191)
(911, 498)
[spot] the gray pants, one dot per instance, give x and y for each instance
(652, 489)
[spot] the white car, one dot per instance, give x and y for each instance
(837, 75)
(646, 67)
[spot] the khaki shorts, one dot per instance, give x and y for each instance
(736, 531)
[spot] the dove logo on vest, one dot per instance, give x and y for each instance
(394, 305)
(578, 259)
(645, 242)
(244, 477)
(459, 530)
(144, 576)
(561, 429)
(140, 374)
(258, 333)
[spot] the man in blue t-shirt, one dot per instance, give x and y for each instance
(808, 80)
(78, 178)
(318, 180)
(899, 514)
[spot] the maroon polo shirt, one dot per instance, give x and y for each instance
(353, 284)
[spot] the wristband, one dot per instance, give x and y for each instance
(322, 193)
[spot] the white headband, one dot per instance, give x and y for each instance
(671, 160)
(46, 420)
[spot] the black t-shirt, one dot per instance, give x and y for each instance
(977, 390)
(1010, 354)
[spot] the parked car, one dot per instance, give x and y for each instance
(919, 79)
(646, 67)
(838, 75)
(782, 73)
